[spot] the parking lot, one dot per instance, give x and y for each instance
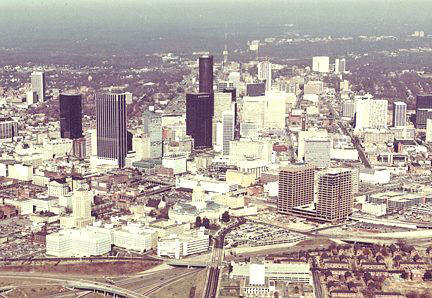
(15, 234)
(259, 234)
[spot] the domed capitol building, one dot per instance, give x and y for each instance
(201, 206)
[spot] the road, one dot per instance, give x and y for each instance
(170, 281)
(212, 283)
(354, 140)
(316, 280)
(356, 143)
(74, 283)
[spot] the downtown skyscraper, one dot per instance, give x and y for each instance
(38, 84)
(265, 73)
(296, 187)
(200, 106)
(152, 126)
(399, 114)
(205, 75)
(70, 115)
(335, 195)
(111, 132)
(199, 116)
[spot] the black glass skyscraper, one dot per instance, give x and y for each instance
(70, 115)
(199, 114)
(206, 74)
(423, 109)
(111, 129)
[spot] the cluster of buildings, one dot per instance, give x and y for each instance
(244, 142)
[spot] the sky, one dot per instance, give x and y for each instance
(116, 22)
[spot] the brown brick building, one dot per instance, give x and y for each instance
(335, 195)
(296, 187)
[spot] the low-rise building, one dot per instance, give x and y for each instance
(178, 246)
(78, 243)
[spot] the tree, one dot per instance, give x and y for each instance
(427, 275)
(405, 275)
(198, 222)
(367, 276)
(416, 258)
(393, 249)
(206, 222)
(384, 252)
(225, 217)
(366, 252)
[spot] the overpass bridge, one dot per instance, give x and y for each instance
(186, 263)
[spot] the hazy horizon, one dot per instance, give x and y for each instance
(137, 24)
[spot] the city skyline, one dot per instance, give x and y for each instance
(216, 149)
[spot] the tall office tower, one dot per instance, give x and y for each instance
(370, 113)
(31, 97)
(222, 85)
(399, 114)
(81, 208)
(423, 109)
(340, 65)
(233, 92)
(79, 147)
(348, 108)
(428, 130)
(228, 130)
(321, 64)
(234, 77)
(317, 152)
(225, 52)
(206, 74)
(344, 86)
(111, 127)
(222, 102)
(255, 89)
(152, 124)
(8, 128)
(265, 73)
(38, 84)
(70, 115)
(336, 65)
(296, 187)
(335, 195)
(199, 115)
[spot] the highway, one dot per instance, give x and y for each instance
(75, 283)
(212, 283)
(170, 281)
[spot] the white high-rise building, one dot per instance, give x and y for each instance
(370, 113)
(234, 78)
(152, 125)
(428, 130)
(38, 84)
(81, 208)
(321, 64)
(340, 65)
(399, 114)
(269, 111)
(265, 73)
(31, 97)
(348, 109)
(222, 103)
(228, 130)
